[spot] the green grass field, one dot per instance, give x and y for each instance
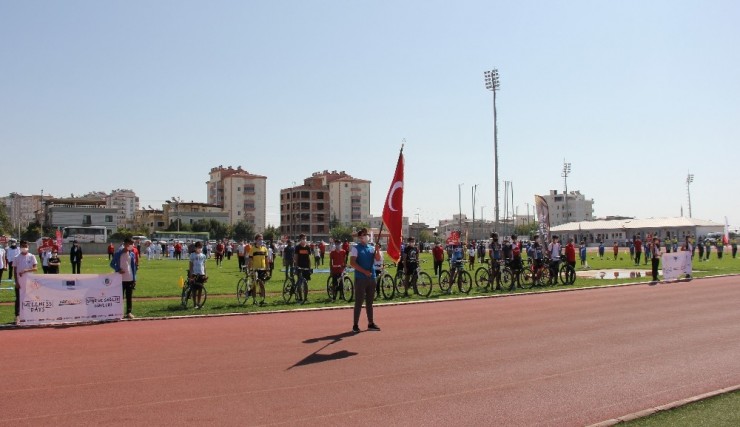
(158, 280)
(157, 294)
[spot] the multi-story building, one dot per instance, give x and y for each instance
(470, 229)
(192, 212)
(23, 210)
(241, 194)
(151, 219)
(571, 207)
(127, 204)
(79, 211)
(324, 197)
(375, 222)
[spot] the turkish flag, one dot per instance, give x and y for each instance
(393, 212)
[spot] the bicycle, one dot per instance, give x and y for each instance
(385, 282)
(421, 282)
(567, 273)
(534, 275)
(191, 285)
(459, 275)
(486, 276)
(291, 285)
(345, 281)
(246, 287)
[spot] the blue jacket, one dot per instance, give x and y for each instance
(116, 266)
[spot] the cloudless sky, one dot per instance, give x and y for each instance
(150, 95)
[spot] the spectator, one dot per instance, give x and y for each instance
(602, 249)
(124, 262)
(638, 249)
(582, 251)
(3, 262)
(616, 250)
(111, 251)
(288, 254)
(438, 254)
(24, 262)
(53, 262)
(337, 264)
(75, 257)
(655, 250)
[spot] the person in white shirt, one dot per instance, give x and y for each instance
(554, 251)
(25, 262)
(197, 270)
(2, 262)
(10, 254)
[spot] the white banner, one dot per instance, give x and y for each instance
(676, 265)
(48, 299)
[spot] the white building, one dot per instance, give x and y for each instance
(240, 194)
(349, 198)
(23, 210)
(621, 230)
(573, 207)
(126, 203)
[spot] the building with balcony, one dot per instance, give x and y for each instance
(242, 195)
(79, 211)
(192, 212)
(23, 210)
(571, 207)
(127, 204)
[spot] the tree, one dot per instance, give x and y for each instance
(32, 232)
(526, 229)
(243, 231)
(219, 230)
(173, 226)
(341, 232)
(425, 236)
(121, 234)
(5, 225)
(271, 233)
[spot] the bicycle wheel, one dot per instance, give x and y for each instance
(567, 274)
(288, 289)
(544, 277)
(329, 287)
(348, 288)
(424, 284)
(401, 290)
(203, 295)
(507, 278)
(444, 281)
(525, 279)
(185, 297)
(387, 286)
(242, 288)
(482, 278)
(464, 281)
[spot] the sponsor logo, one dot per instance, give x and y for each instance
(70, 283)
(70, 302)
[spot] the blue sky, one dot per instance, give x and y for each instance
(149, 95)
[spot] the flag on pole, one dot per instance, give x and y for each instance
(726, 235)
(393, 211)
(543, 216)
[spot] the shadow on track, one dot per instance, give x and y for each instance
(315, 357)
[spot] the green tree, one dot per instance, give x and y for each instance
(32, 232)
(183, 226)
(121, 234)
(219, 230)
(341, 232)
(526, 229)
(425, 236)
(6, 228)
(271, 233)
(243, 231)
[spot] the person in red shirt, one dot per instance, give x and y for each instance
(345, 248)
(338, 261)
(616, 250)
(220, 249)
(570, 253)
(178, 250)
(638, 250)
(438, 253)
(322, 250)
(111, 251)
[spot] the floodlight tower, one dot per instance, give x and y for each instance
(689, 180)
(564, 174)
(493, 84)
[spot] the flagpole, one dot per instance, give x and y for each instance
(382, 223)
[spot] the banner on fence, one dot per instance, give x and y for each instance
(676, 265)
(48, 299)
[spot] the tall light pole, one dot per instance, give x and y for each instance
(177, 201)
(473, 190)
(493, 84)
(566, 172)
(689, 180)
(459, 205)
(481, 214)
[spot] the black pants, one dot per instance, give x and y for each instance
(17, 300)
(364, 291)
(76, 267)
(637, 257)
(128, 292)
(438, 267)
(656, 262)
(10, 271)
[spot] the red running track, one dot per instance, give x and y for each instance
(560, 359)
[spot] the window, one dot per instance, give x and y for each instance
(320, 206)
(320, 228)
(109, 218)
(320, 196)
(249, 189)
(86, 220)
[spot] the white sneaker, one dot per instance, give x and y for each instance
(17, 320)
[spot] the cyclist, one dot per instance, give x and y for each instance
(554, 249)
(570, 253)
(197, 274)
(336, 261)
(456, 261)
(537, 255)
(258, 261)
(516, 258)
(495, 254)
(438, 253)
(288, 253)
(303, 262)
(410, 262)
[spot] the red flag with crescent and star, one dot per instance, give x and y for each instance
(393, 212)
